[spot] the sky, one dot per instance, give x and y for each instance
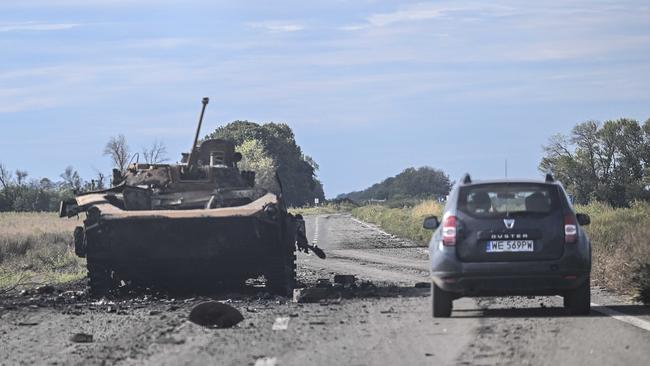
(369, 87)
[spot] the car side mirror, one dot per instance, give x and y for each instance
(431, 223)
(583, 219)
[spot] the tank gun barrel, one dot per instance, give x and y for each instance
(192, 157)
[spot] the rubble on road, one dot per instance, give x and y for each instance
(326, 293)
(45, 289)
(345, 279)
(81, 338)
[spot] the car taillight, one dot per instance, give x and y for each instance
(449, 231)
(570, 229)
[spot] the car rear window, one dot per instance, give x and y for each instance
(495, 200)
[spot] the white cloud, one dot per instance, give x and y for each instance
(277, 26)
(428, 11)
(35, 26)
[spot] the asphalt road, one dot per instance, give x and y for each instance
(387, 323)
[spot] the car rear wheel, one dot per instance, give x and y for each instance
(442, 302)
(578, 301)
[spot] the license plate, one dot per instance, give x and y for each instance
(501, 246)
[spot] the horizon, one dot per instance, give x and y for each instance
(369, 88)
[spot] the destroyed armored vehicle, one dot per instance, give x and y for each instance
(201, 223)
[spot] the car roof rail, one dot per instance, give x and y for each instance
(550, 178)
(467, 179)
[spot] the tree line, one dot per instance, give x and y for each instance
(19, 192)
(267, 149)
(412, 183)
(607, 162)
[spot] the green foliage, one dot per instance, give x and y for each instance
(255, 158)
(277, 141)
(607, 162)
(412, 183)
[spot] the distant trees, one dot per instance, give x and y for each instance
(118, 150)
(156, 153)
(608, 162)
(412, 183)
(273, 147)
(17, 193)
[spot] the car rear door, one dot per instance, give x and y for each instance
(523, 222)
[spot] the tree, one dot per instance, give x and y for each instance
(606, 162)
(21, 175)
(298, 175)
(5, 176)
(411, 183)
(255, 158)
(156, 153)
(118, 150)
(71, 179)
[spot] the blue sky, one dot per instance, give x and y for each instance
(369, 87)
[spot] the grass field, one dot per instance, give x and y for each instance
(620, 239)
(37, 248)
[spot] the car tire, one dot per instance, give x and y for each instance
(441, 301)
(578, 301)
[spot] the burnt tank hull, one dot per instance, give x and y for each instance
(172, 250)
(199, 223)
(202, 249)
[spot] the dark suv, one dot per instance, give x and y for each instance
(509, 238)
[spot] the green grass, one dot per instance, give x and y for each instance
(620, 239)
(403, 222)
(37, 248)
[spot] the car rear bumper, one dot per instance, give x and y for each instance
(549, 277)
(508, 285)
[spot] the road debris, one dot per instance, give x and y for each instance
(310, 295)
(27, 324)
(170, 340)
(323, 283)
(81, 338)
(266, 361)
(345, 279)
(281, 323)
(45, 289)
(213, 314)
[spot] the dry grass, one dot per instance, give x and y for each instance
(36, 248)
(621, 247)
(404, 222)
(328, 208)
(620, 239)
